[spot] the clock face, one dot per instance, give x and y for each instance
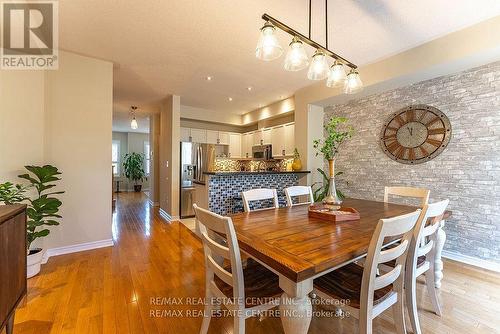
(415, 134)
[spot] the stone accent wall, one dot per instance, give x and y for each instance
(467, 172)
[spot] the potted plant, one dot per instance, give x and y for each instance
(42, 209)
(322, 189)
(337, 132)
(134, 169)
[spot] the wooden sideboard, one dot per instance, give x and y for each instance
(12, 262)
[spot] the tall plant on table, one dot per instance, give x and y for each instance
(134, 169)
(337, 132)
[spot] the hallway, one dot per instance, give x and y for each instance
(118, 289)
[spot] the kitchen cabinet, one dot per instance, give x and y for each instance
(234, 145)
(198, 136)
(244, 146)
(278, 141)
(289, 139)
(257, 138)
(217, 137)
(266, 137)
(250, 143)
(185, 134)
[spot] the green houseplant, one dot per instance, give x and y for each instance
(42, 210)
(337, 132)
(12, 193)
(134, 169)
(321, 189)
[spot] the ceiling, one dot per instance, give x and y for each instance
(170, 47)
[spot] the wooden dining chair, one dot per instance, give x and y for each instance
(421, 193)
(259, 195)
(420, 260)
(244, 291)
(296, 191)
(371, 294)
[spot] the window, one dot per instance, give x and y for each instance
(147, 161)
(115, 157)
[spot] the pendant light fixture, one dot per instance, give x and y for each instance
(268, 47)
(133, 123)
(353, 83)
(318, 70)
(296, 58)
(336, 76)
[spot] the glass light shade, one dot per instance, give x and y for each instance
(353, 83)
(337, 75)
(268, 47)
(318, 70)
(296, 58)
(134, 124)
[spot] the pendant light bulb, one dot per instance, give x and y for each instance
(296, 57)
(133, 124)
(353, 83)
(318, 70)
(337, 75)
(268, 47)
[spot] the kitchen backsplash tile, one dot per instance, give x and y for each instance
(231, 165)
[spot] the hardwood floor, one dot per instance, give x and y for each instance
(110, 290)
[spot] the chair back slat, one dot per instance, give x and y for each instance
(391, 227)
(387, 278)
(424, 250)
(393, 253)
(421, 193)
(219, 243)
(296, 191)
(259, 195)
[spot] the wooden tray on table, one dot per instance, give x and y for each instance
(332, 213)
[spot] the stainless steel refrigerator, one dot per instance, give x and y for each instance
(195, 159)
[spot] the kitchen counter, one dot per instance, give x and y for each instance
(256, 172)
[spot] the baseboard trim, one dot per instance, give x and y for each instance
(153, 203)
(164, 214)
(484, 264)
(76, 248)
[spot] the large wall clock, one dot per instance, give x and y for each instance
(415, 134)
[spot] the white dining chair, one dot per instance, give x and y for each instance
(371, 294)
(244, 291)
(421, 193)
(297, 191)
(259, 195)
(420, 260)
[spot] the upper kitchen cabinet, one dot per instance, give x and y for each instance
(278, 141)
(289, 139)
(217, 137)
(257, 138)
(185, 134)
(198, 136)
(235, 145)
(266, 137)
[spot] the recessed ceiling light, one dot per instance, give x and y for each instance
(249, 88)
(281, 97)
(209, 78)
(230, 99)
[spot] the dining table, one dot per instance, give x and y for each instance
(299, 248)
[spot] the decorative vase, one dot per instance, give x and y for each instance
(296, 164)
(332, 197)
(34, 262)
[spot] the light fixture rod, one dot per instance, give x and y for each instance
(306, 40)
(326, 24)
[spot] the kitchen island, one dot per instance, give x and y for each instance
(225, 188)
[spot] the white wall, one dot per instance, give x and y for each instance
(63, 117)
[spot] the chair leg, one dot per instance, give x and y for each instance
(398, 311)
(207, 316)
(411, 304)
(364, 324)
(430, 282)
(239, 325)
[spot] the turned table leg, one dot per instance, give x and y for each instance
(295, 306)
(438, 263)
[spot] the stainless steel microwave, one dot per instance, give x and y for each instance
(262, 152)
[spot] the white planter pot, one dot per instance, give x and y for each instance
(34, 262)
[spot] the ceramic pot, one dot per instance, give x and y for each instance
(296, 164)
(137, 187)
(34, 262)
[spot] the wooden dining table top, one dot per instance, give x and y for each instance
(300, 247)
